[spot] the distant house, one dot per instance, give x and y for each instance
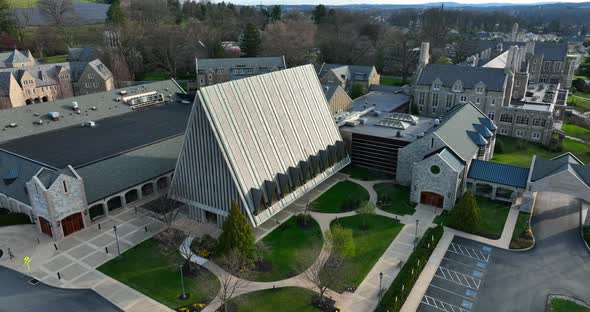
(348, 75)
(214, 71)
(23, 81)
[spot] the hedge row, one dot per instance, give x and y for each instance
(401, 287)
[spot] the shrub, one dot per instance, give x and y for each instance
(465, 216)
(237, 234)
(342, 242)
(396, 295)
(499, 147)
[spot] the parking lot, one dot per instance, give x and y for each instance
(456, 283)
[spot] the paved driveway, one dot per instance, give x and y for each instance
(559, 263)
(18, 295)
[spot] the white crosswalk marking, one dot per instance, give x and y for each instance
(458, 278)
(441, 305)
(469, 252)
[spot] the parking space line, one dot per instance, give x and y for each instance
(458, 278)
(469, 252)
(441, 305)
(454, 293)
(461, 263)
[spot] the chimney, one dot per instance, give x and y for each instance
(510, 59)
(424, 54)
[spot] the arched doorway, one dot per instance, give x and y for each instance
(44, 99)
(45, 226)
(432, 199)
(28, 102)
(96, 211)
(131, 196)
(114, 203)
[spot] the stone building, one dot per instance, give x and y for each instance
(69, 163)
(348, 75)
(23, 81)
(338, 99)
(262, 149)
(214, 71)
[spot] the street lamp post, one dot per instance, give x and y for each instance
(183, 296)
(380, 288)
(416, 234)
(117, 239)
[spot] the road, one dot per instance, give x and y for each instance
(558, 264)
(16, 294)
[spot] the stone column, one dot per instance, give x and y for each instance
(494, 189)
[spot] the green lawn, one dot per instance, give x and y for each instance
(365, 174)
(344, 196)
(394, 198)
(8, 218)
(149, 271)
(578, 103)
(34, 3)
(288, 299)
(286, 242)
(370, 245)
(563, 305)
(55, 59)
(520, 153)
(576, 131)
(493, 217)
(154, 75)
(390, 81)
(520, 238)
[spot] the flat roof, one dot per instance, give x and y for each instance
(382, 101)
(541, 93)
(369, 127)
(78, 146)
(25, 117)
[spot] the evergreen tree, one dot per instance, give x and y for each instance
(465, 216)
(319, 13)
(250, 41)
(275, 14)
(237, 234)
(115, 14)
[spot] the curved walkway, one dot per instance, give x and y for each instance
(365, 297)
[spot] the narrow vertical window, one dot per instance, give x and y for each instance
(65, 187)
(432, 143)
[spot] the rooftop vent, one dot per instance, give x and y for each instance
(437, 122)
(90, 124)
(75, 105)
(12, 125)
(93, 108)
(122, 92)
(420, 135)
(54, 116)
(398, 134)
(38, 122)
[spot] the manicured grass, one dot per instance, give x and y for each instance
(370, 245)
(344, 196)
(147, 269)
(578, 103)
(288, 299)
(55, 59)
(394, 198)
(286, 242)
(493, 216)
(576, 131)
(8, 218)
(520, 153)
(563, 305)
(154, 75)
(34, 3)
(365, 174)
(390, 81)
(520, 237)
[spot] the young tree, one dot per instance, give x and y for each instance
(318, 273)
(56, 10)
(465, 216)
(250, 42)
(237, 234)
(163, 209)
(232, 279)
(365, 210)
(115, 14)
(342, 243)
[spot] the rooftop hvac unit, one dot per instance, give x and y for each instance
(90, 124)
(54, 116)
(122, 92)
(363, 121)
(437, 122)
(93, 108)
(38, 122)
(12, 125)
(75, 105)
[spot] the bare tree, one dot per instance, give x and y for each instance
(319, 273)
(170, 47)
(56, 10)
(163, 209)
(400, 52)
(291, 38)
(22, 19)
(232, 279)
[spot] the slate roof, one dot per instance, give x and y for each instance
(330, 90)
(498, 173)
(78, 145)
(115, 174)
(457, 130)
(551, 51)
(450, 158)
(493, 78)
(352, 72)
(12, 165)
(15, 56)
(567, 162)
(47, 74)
(104, 102)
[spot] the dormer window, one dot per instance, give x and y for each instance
(436, 85)
(458, 87)
(480, 88)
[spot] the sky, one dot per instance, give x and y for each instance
(340, 2)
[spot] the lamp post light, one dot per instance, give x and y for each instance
(416, 234)
(117, 240)
(183, 296)
(380, 288)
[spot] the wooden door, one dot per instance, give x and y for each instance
(72, 223)
(45, 226)
(432, 199)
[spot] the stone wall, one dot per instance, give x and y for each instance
(489, 101)
(443, 183)
(413, 153)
